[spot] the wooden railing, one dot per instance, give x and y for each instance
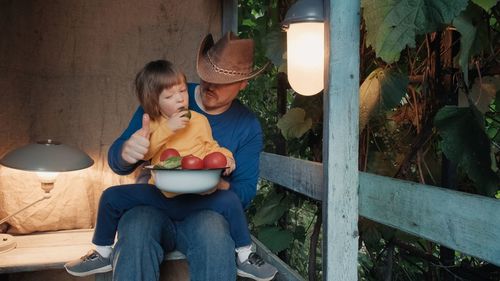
(465, 222)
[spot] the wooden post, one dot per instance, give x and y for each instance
(229, 16)
(340, 140)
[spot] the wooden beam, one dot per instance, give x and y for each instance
(465, 222)
(229, 16)
(461, 221)
(302, 176)
(340, 141)
(286, 273)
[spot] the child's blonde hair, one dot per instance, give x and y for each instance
(152, 80)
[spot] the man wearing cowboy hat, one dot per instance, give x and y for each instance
(145, 233)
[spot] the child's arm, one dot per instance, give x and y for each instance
(115, 160)
(161, 130)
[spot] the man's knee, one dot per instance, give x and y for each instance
(144, 223)
(209, 229)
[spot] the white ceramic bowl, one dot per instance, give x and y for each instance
(185, 181)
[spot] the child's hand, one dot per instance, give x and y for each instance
(137, 145)
(231, 165)
(177, 121)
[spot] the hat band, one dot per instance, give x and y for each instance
(224, 71)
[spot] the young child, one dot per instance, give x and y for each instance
(162, 92)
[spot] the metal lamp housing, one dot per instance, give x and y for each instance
(47, 156)
(304, 23)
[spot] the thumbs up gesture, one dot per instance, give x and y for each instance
(137, 145)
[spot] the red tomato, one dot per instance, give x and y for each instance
(169, 152)
(191, 162)
(215, 160)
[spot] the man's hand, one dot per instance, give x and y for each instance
(223, 185)
(137, 145)
(177, 121)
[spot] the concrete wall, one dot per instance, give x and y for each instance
(67, 67)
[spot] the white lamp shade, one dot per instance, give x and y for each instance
(305, 57)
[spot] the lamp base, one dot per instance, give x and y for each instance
(7, 242)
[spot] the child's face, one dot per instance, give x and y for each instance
(171, 100)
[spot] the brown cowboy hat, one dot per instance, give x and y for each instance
(227, 61)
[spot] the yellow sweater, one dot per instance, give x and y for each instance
(196, 139)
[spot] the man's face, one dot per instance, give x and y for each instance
(217, 98)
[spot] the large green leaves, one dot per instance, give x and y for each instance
(386, 85)
(274, 44)
(474, 32)
(275, 239)
(393, 24)
(294, 124)
(273, 207)
(393, 88)
(485, 4)
(464, 142)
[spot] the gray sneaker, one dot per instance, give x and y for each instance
(255, 268)
(91, 263)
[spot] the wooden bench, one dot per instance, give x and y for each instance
(51, 250)
(48, 250)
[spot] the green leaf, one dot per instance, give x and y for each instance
(464, 142)
(369, 96)
(273, 42)
(248, 22)
(294, 123)
(170, 163)
(439, 13)
(272, 209)
(275, 239)
(371, 236)
(393, 85)
(300, 233)
(312, 105)
(485, 4)
(392, 25)
(474, 36)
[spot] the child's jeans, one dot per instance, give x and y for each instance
(116, 200)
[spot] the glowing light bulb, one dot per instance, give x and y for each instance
(47, 177)
(305, 52)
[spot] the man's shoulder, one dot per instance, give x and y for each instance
(191, 87)
(242, 110)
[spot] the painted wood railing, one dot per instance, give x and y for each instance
(465, 222)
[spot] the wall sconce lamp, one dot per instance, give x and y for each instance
(47, 159)
(304, 24)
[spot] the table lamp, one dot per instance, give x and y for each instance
(47, 159)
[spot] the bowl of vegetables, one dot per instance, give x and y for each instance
(188, 174)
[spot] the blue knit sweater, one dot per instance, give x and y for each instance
(237, 129)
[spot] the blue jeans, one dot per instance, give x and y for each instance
(116, 200)
(146, 233)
